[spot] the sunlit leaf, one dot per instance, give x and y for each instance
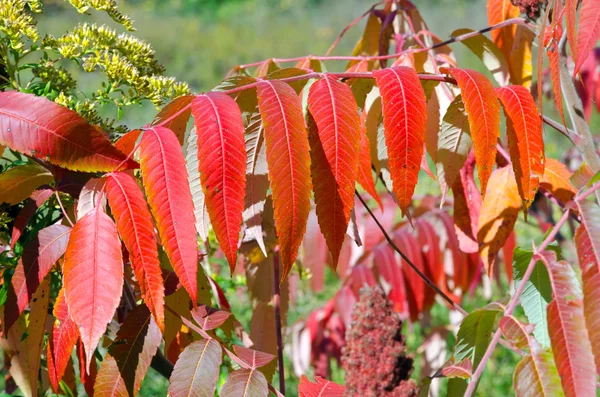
(320, 388)
(40, 128)
(108, 381)
(93, 276)
(175, 116)
(90, 197)
(588, 31)
(556, 180)
(19, 182)
(61, 342)
(222, 157)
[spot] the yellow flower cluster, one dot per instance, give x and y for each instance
(108, 6)
(17, 23)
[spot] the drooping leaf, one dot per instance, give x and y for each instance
(536, 374)
(551, 41)
(334, 157)
(86, 377)
(62, 341)
(499, 213)
(490, 54)
(405, 122)
(384, 258)
(175, 116)
(222, 158)
(556, 180)
(288, 156)
(108, 381)
(568, 333)
(93, 276)
(453, 145)
(499, 11)
(475, 334)
(40, 128)
(267, 67)
(525, 141)
(587, 239)
(209, 318)
(365, 173)
(170, 199)
(245, 383)
(134, 223)
(19, 182)
(254, 358)
(197, 370)
(463, 369)
(193, 172)
(483, 112)
(90, 197)
(320, 388)
(257, 181)
(127, 142)
(38, 198)
(536, 294)
(515, 332)
(416, 289)
(467, 208)
(571, 17)
(588, 31)
(521, 57)
(37, 259)
(368, 44)
(314, 252)
(136, 343)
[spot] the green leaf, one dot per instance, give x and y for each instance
(536, 294)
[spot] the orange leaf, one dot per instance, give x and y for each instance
(108, 381)
(571, 17)
(587, 239)
(41, 128)
(483, 110)
(526, 144)
(222, 159)
(499, 11)
(175, 116)
(405, 122)
(134, 223)
(568, 334)
(289, 165)
(553, 35)
(556, 180)
(93, 276)
(168, 192)
(498, 215)
(19, 182)
(335, 157)
(588, 32)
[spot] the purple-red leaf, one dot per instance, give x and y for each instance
(134, 223)
(41, 128)
(222, 159)
(93, 277)
(405, 123)
(335, 157)
(289, 165)
(253, 358)
(321, 388)
(61, 342)
(245, 383)
(483, 111)
(168, 192)
(588, 32)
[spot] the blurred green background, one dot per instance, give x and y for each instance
(199, 41)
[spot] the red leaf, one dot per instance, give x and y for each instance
(571, 17)
(467, 206)
(384, 257)
(108, 381)
(134, 223)
(524, 131)
(168, 192)
(87, 378)
(245, 383)
(553, 34)
(254, 358)
(314, 253)
(175, 116)
(499, 213)
(126, 143)
(568, 334)
(137, 342)
(415, 286)
(38, 258)
(222, 158)
(588, 32)
(484, 118)
(587, 239)
(289, 165)
(321, 388)
(365, 173)
(61, 342)
(38, 197)
(335, 157)
(209, 318)
(93, 277)
(405, 123)
(197, 370)
(38, 127)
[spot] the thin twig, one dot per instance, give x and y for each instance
(426, 279)
(582, 195)
(276, 300)
(351, 24)
(63, 208)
